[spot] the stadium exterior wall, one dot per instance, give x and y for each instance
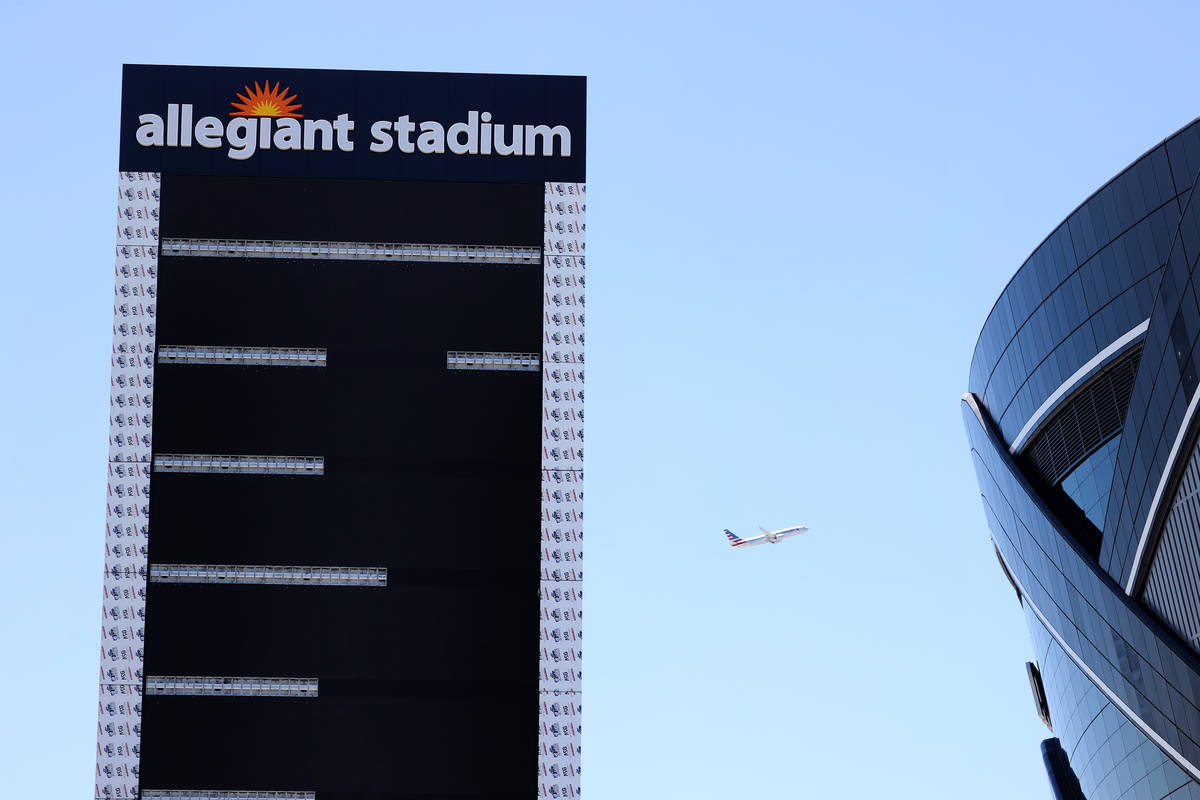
(1080, 413)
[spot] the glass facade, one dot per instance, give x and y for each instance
(1122, 685)
(1074, 297)
(1166, 383)
(1133, 659)
(1111, 758)
(1088, 484)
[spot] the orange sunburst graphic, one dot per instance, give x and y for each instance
(265, 101)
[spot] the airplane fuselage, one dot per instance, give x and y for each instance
(774, 537)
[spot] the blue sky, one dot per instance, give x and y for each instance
(799, 217)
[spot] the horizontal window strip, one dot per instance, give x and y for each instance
(223, 794)
(268, 575)
(240, 465)
(264, 356)
(351, 251)
(512, 362)
(215, 686)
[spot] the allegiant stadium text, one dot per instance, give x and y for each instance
(243, 136)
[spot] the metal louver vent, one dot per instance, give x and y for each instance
(223, 794)
(243, 465)
(268, 575)
(226, 354)
(509, 362)
(213, 686)
(351, 251)
(1087, 420)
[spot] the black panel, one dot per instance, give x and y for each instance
(364, 97)
(380, 312)
(379, 414)
(209, 207)
(436, 746)
(428, 685)
(431, 626)
(435, 516)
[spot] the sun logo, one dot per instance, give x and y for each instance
(265, 101)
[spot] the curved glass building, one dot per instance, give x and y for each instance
(1081, 417)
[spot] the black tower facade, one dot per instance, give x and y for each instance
(347, 385)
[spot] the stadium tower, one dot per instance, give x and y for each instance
(347, 384)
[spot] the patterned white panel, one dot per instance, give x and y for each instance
(558, 749)
(561, 657)
(558, 745)
(131, 402)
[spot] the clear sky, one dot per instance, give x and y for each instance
(800, 215)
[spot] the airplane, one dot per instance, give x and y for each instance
(773, 537)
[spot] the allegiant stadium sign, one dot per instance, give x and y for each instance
(268, 118)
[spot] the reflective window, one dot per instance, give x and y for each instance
(1112, 759)
(1128, 651)
(1088, 484)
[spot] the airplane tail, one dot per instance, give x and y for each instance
(733, 539)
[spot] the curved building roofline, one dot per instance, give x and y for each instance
(1067, 219)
